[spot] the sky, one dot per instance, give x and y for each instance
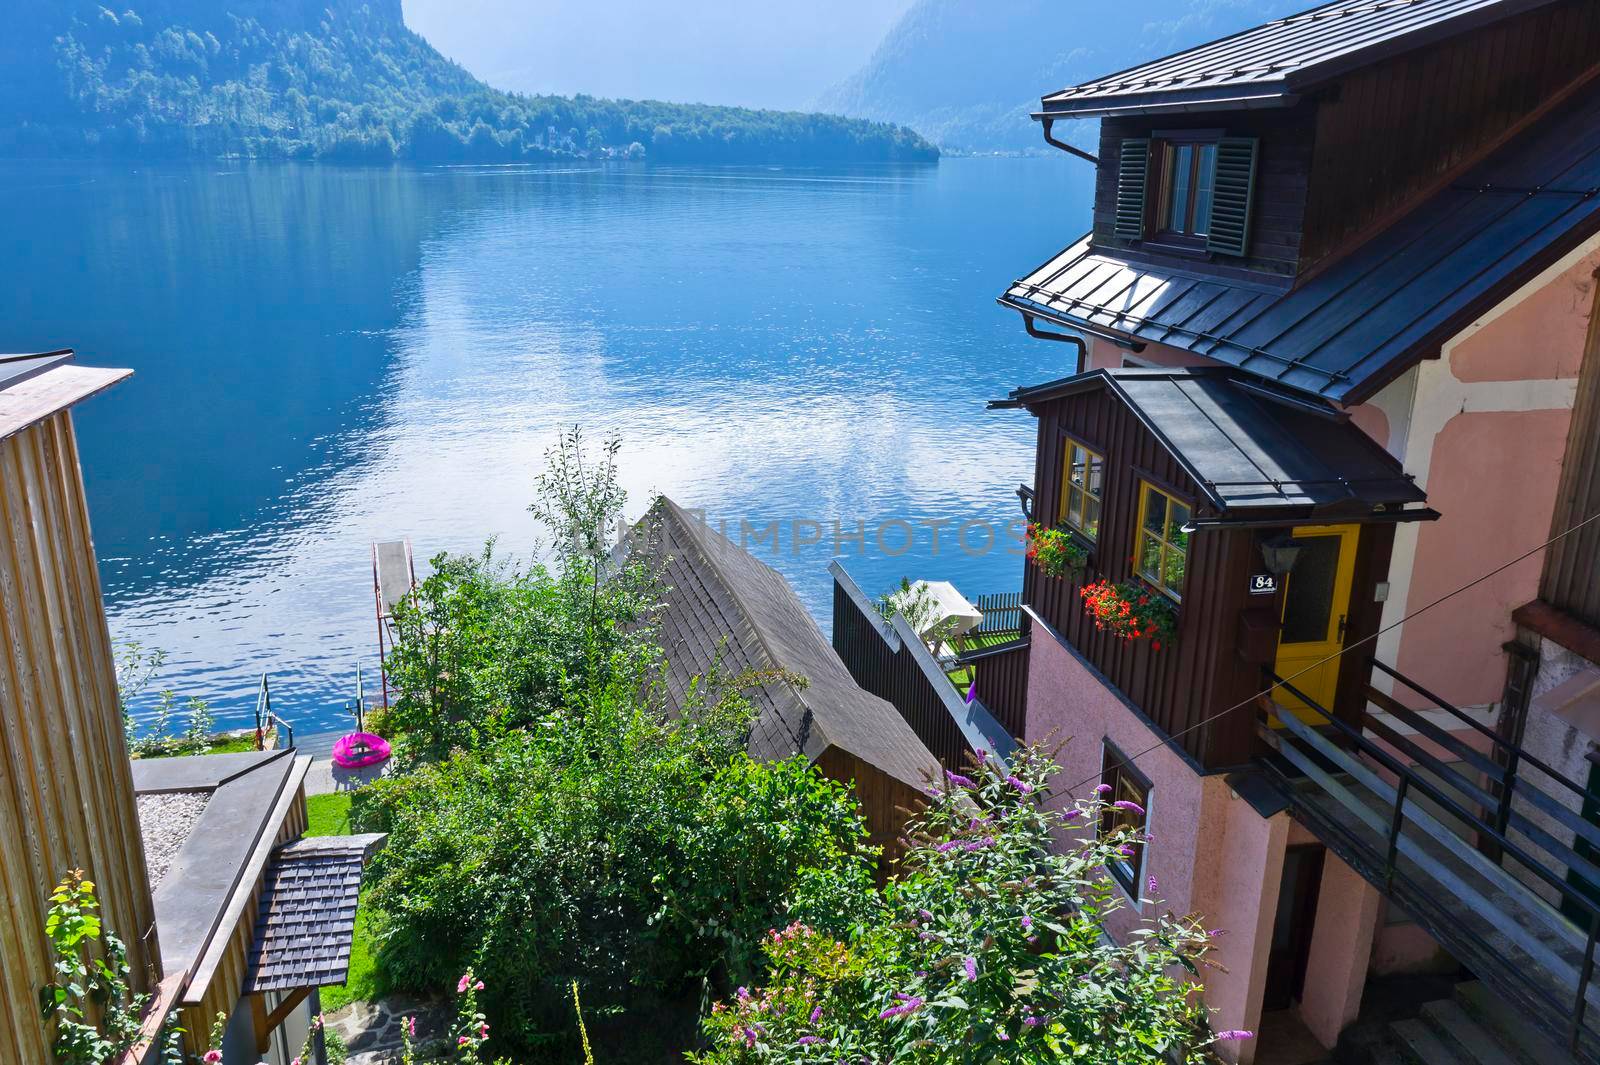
(753, 54)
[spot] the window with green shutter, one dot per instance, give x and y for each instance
(1233, 192)
(1133, 171)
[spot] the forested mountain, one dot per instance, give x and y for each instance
(342, 79)
(966, 73)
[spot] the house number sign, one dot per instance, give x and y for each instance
(1263, 584)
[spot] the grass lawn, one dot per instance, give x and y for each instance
(962, 676)
(329, 815)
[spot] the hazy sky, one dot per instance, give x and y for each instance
(759, 54)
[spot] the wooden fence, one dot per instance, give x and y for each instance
(887, 659)
(1002, 613)
(1000, 674)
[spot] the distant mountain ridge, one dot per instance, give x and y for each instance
(967, 73)
(343, 79)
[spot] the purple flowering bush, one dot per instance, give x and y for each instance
(987, 947)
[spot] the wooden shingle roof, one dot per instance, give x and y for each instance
(307, 915)
(723, 610)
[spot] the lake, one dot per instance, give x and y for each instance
(329, 356)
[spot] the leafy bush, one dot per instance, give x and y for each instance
(989, 948)
(609, 845)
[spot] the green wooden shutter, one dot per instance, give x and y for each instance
(1233, 193)
(1133, 169)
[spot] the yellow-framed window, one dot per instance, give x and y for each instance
(1161, 552)
(1082, 481)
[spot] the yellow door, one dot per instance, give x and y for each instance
(1316, 605)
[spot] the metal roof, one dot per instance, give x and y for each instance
(724, 610)
(307, 916)
(1353, 327)
(1269, 65)
(14, 369)
(1248, 446)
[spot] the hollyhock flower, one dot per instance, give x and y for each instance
(462, 1041)
(212, 1057)
(411, 1027)
(1021, 785)
(483, 1031)
(463, 983)
(1130, 806)
(1235, 1033)
(478, 986)
(970, 965)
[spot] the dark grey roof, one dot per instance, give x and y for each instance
(1365, 318)
(1247, 446)
(1271, 64)
(725, 610)
(307, 916)
(18, 368)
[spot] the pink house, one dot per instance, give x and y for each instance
(1328, 422)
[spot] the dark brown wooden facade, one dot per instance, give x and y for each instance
(1351, 156)
(1214, 665)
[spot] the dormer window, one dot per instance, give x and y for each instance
(1187, 188)
(1187, 164)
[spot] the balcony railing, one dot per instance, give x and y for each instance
(1419, 829)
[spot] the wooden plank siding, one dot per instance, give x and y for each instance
(1281, 182)
(1182, 687)
(891, 673)
(1001, 676)
(1571, 578)
(1391, 132)
(66, 789)
(885, 802)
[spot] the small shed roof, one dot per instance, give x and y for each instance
(307, 915)
(35, 386)
(1250, 448)
(1270, 64)
(1365, 318)
(724, 609)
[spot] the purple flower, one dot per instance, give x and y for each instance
(1072, 815)
(816, 1015)
(743, 994)
(971, 967)
(1125, 850)
(1004, 1037)
(983, 755)
(1032, 1022)
(1027, 923)
(809, 1040)
(1021, 785)
(979, 844)
(1235, 1033)
(958, 780)
(1102, 789)
(1152, 886)
(947, 847)
(925, 915)
(908, 1004)
(1216, 932)
(1130, 806)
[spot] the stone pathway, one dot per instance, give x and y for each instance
(324, 778)
(371, 1030)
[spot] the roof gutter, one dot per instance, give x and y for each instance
(1153, 105)
(1029, 313)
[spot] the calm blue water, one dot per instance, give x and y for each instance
(330, 356)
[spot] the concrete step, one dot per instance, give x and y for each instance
(1421, 1045)
(1454, 1026)
(1513, 1032)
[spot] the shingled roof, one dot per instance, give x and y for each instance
(1364, 319)
(1271, 64)
(724, 610)
(307, 915)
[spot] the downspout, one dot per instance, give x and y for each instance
(1048, 122)
(1063, 338)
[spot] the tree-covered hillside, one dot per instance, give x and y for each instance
(966, 73)
(342, 79)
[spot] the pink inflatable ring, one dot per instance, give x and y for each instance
(359, 749)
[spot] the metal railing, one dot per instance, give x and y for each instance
(1462, 799)
(266, 720)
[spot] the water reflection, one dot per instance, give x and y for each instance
(329, 356)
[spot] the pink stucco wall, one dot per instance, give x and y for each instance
(1539, 339)
(1210, 852)
(1493, 477)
